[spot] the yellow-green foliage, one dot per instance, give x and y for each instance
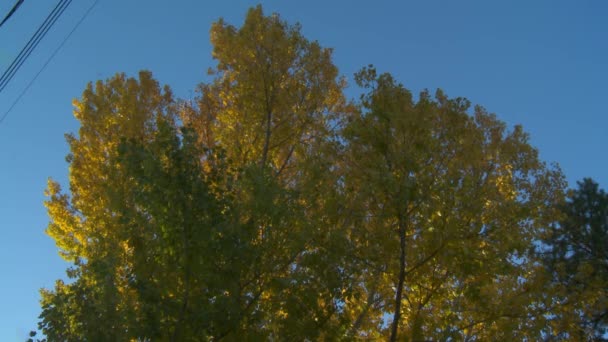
(269, 208)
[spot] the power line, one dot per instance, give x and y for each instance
(32, 43)
(84, 16)
(27, 50)
(11, 12)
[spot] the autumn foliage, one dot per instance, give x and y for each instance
(272, 208)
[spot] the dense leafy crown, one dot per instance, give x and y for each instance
(270, 208)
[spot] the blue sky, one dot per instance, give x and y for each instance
(542, 64)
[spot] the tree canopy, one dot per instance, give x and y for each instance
(272, 208)
(576, 253)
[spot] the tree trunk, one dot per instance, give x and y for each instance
(266, 139)
(399, 295)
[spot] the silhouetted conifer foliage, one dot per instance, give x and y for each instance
(576, 252)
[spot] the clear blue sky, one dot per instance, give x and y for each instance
(542, 64)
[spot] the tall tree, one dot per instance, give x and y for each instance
(84, 225)
(272, 109)
(220, 229)
(576, 252)
(446, 206)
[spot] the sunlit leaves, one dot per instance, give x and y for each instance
(269, 208)
(276, 93)
(459, 192)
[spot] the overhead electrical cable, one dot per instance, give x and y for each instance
(50, 20)
(11, 12)
(27, 50)
(84, 16)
